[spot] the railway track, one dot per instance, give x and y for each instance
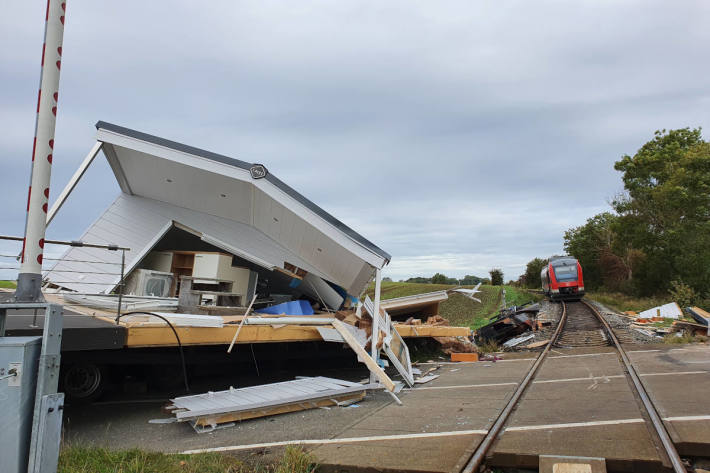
(581, 325)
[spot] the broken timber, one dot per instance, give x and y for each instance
(363, 355)
(206, 411)
(393, 345)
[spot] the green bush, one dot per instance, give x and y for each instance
(496, 276)
(683, 294)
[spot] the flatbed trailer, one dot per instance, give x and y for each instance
(97, 351)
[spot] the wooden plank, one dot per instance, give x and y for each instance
(701, 312)
(538, 344)
(239, 416)
(163, 336)
(431, 331)
(155, 336)
(364, 356)
(288, 273)
(241, 324)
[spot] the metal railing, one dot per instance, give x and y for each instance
(77, 244)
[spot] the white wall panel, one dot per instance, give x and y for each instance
(135, 222)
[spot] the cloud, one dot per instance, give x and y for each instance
(457, 137)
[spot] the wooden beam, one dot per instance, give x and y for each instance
(363, 355)
(239, 416)
(431, 331)
(161, 335)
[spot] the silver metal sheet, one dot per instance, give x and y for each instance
(46, 452)
(330, 335)
(265, 396)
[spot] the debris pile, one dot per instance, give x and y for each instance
(208, 411)
(450, 345)
(653, 324)
(509, 327)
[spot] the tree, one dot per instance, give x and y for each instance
(496, 276)
(438, 278)
(419, 280)
(469, 280)
(587, 242)
(665, 212)
(531, 278)
(386, 279)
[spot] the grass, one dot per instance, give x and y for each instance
(673, 339)
(392, 290)
(517, 296)
(666, 322)
(488, 346)
(8, 284)
(79, 459)
(622, 302)
(513, 296)
(296, 460)
(82, 459)
(459, 309)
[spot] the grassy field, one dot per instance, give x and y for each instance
(8, 284)
(622, 302)
(78, 459)
(460, 310)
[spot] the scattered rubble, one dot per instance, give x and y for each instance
(622, 325)
(701, 316)
(509, 323)
(437, 320)
(451, 345)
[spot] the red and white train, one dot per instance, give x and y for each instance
(562, 279)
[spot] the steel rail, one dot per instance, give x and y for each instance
(69, 243)
(479, 454)
(668, 445)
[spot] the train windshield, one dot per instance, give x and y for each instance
(565, 270)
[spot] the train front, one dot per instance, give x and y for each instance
(566, 282)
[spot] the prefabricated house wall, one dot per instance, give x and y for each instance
(255, 217)
(135, 221)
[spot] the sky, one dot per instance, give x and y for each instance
(458, 136)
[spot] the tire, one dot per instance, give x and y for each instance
(84, 382)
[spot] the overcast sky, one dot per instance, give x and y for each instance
(457, 136)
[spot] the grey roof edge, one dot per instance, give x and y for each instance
(291, 192)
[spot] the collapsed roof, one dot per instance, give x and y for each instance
(231, 204)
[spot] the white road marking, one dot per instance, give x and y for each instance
(583, 355)
(525, 428)
(559, 356)
(338, 440)
(589, 378)
(463, 386)
(573, 424)
(686, 418)
(673, 373)
(561, 380)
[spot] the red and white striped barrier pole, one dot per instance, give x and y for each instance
(30, 277)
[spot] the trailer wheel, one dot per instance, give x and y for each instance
(84, 382)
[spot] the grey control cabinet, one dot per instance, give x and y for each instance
(17, 397)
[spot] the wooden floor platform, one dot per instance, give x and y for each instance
(88, 328)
